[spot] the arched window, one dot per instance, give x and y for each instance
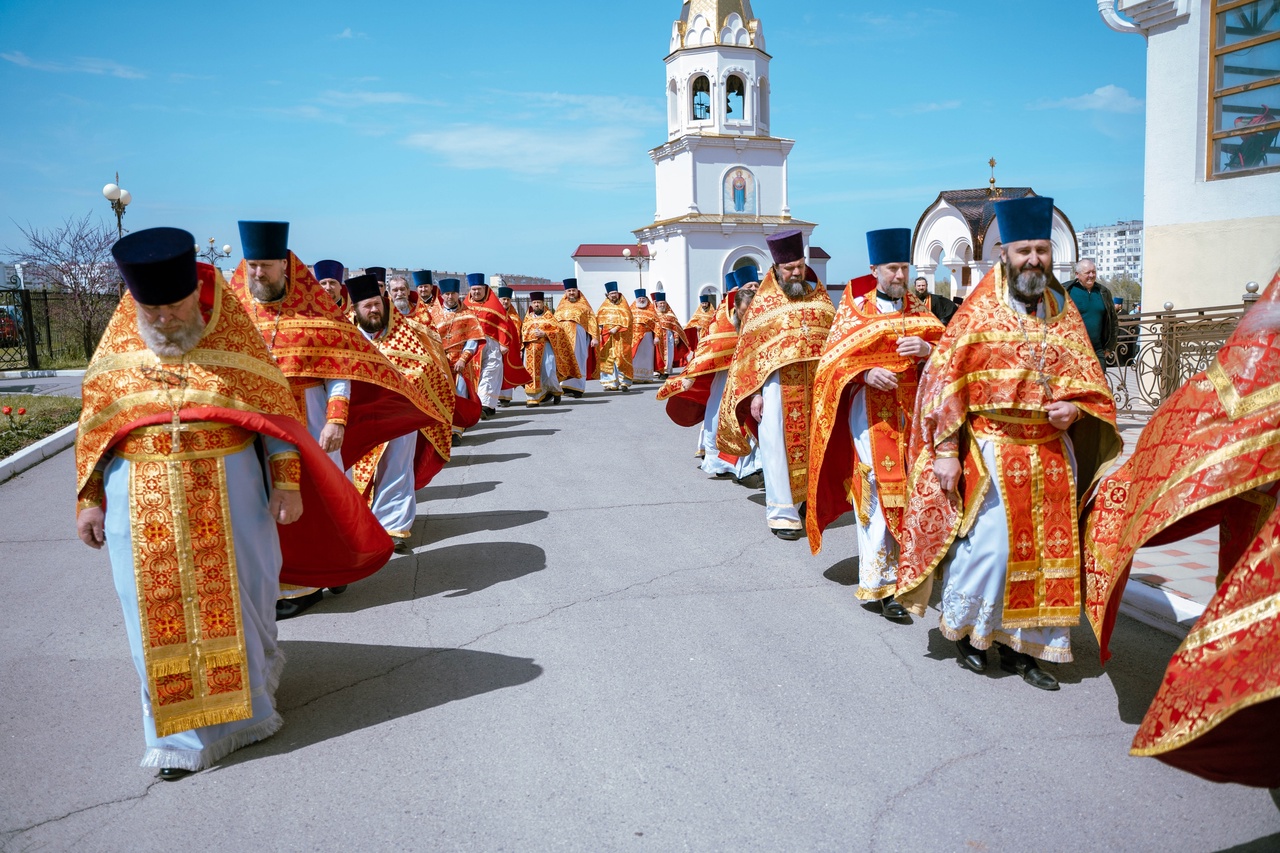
(673, 106)
(735, 98)
(701, 98)
(764, 102)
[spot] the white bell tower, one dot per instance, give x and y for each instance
(721, 175)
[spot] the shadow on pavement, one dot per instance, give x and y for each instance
(457, 570)
(498, 421)
(470, 440)
(461, 490)
(844, 572)
(334, 689)
(1259, 845)
(436, 527)
(1139, 657)
(487, 458)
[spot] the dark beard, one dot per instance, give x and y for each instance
(265, 292)
(172, 344)
(371, 327)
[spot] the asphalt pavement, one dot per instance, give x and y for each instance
(594, 647)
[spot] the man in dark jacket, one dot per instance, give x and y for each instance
(1097, 308)
(942, 307)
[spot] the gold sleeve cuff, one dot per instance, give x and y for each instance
(337, 410)
(947, 454)
(286, 471)
(93, 494)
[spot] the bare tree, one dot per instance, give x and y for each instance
(74, 258)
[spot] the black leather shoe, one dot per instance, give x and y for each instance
(577, 395)
(287, 608)
(892, 609)
(723, 475)
(402, 546)
(971, 658)
(625, 389)
(789, 535)
(752, 481)
(488, 411)
(1026, 666)
(555, 399)
(338, 590)
(173, 774)
(504, 403)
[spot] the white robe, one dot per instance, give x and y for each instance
(780, 512)
(581, 352)
(257, 553)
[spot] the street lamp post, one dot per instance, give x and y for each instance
(119, 199)
(639, 259)
(213, 254)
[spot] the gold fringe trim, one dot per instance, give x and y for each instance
(200, 719)
(230, 657)
(171, 666)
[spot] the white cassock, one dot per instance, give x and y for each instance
(490, 374)
(581, 351)
(780, 511)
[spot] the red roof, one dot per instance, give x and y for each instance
(819, 253)
(609, 250)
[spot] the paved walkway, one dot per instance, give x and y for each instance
(594, 647)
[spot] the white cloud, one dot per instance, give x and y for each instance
(530, 151)
(348, 33)
(366, 98)
(930, 107)
(81, 65)
(1106, 99)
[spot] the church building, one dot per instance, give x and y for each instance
(721, 175)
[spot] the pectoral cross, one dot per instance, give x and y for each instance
(176, 429)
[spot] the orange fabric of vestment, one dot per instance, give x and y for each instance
(863, 337)
(420, 356)
(992, 362)
(230, 378)
(643, 321)
(580, 313)
(669, 322)
(785, 336)
(535, 344)
(312, 340)
(687, 407)
(615, 347)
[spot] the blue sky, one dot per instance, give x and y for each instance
(496, 137)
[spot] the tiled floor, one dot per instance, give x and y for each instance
(1187, 568)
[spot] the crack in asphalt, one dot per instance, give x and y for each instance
(12, 834)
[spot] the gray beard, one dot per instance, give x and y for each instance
(1030, 284)
(266, 293)
(402, 305)
(175, 344)
(794, 289)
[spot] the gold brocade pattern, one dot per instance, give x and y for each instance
(310, 338)
(1211, 443)
(456, 329)
(988, 360)
(579, 313)
(1231, 659)
(714, 352)
(125, 382)
(420, 357)
(702, 319)
(535, 346)
(615, 348)
(862, 336)
(286, 471)
(188, 592)
(777, 331)
(491, 315)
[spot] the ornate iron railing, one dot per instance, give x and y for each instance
(1159, 350)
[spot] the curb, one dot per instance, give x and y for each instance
(38, 374)
(1159, 608)
(32, 455)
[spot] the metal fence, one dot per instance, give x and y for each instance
(1159, 350)
(40, 329)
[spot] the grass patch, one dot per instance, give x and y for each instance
(44, 417)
